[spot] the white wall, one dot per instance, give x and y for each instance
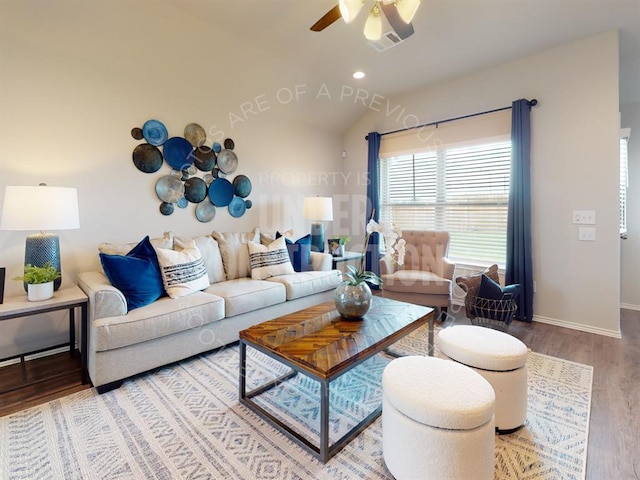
(630, 248)
(73, 86)
(574, 166)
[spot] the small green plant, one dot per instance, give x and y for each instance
(35, 275)
(344, 239)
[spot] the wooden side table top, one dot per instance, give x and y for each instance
(18, 305)
(321, 342)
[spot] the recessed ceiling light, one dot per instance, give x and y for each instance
(358, 75)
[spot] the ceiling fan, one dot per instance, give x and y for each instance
(398, 14)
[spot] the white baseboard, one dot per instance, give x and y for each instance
(34, 356)
(630, 306)
(577, 326)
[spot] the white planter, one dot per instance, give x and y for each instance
(37, 292)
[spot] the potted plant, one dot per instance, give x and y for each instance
(39, 281)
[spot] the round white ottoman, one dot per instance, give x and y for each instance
(437, 420)
(498, 357)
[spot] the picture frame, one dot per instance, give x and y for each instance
(3, 272)
(336, 248)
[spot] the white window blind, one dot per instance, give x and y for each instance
(624, 181)
(461, 189)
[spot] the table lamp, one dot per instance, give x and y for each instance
(41, 208)
(317, 209)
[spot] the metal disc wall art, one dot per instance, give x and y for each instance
(237, 207)
(169, 189)
(195, 189)
(242, 186)
(221, 192)
(147, 158)
(178, 153)
(227, 161)
(205, 211)
(205, 158)
(198, 170)
(155, 132)
(195, 134)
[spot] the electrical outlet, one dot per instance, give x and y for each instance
(584, 217)
(587, 234)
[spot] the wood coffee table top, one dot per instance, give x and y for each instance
(320, 341)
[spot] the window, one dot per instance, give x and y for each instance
(624, 181)
(463, 190)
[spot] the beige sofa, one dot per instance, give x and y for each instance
(124, 343)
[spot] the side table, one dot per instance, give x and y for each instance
(345, 258)
(66, 298)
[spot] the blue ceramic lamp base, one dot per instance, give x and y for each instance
(41, 248)
(317, 237)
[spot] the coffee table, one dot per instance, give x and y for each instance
(319, 343)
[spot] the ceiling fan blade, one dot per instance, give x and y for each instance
(327, 19)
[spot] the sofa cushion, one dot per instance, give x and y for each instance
(299, 252)
(166, 241)
(416, 281)
(136, 274)
(301, 284)
(269, 260)
(183, 271)
(235, 253)
(210, 255)
(243, 295)
(267, 237)
(163, 317)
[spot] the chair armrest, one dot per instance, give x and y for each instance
(105, 300)
(448, 269)
(386, 266)
(321, 261)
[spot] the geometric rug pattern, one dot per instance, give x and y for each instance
(184, 421)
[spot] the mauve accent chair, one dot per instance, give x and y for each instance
(426, 278)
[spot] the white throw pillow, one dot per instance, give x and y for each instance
(269, 260)
(234, 251)
(210, 255)
(183, 272)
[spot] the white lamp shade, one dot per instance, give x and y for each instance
(407, 9)
(373, 25)
(349, 9)
(318, 208)
(40, 208)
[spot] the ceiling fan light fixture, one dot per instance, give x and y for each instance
(349, 9)
(373, 25)
(407, 9)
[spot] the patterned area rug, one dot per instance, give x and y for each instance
(185, 421)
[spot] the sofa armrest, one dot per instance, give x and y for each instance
(105, 300)
(321, 261)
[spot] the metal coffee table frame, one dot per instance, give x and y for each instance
(324, 451)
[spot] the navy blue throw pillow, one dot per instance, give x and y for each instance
(299, 253)
(490, 289)
(136, 274)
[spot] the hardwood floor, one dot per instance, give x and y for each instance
(614, 446)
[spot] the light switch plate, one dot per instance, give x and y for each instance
(584, 217)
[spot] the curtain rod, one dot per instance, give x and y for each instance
(531, 103)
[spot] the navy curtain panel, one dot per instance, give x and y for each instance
(519, 265)
(372, 260)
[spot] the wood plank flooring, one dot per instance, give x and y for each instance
(614, 437)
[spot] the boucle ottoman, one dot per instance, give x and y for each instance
(437, 420)
(501, 359)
